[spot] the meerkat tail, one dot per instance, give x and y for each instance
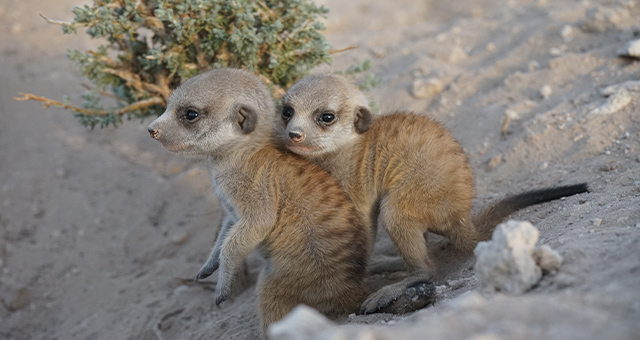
(489, 218)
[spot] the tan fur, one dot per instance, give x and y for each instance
(291, 209)
(404, 172)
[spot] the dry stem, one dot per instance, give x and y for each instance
(91, 112)
(342, 49)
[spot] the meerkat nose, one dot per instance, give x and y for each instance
(296, 136)
(153, 133)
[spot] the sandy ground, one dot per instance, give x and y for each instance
(101, 231)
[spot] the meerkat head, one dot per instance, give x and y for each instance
(322, 113)
(215, 111)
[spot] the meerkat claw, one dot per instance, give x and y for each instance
(220, 299)
(202, 274)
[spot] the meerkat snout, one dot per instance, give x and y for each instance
(153, 132)
(296, 137)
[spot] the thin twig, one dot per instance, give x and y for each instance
(103, 93)
(342, 49)
(140, 105)
(50, 102)
(60, 22)
(134, 81)
(91, 112)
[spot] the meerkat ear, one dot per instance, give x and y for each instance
(363, 120)
(247, 120)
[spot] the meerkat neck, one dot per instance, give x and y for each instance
(232, 158)
(339, 163)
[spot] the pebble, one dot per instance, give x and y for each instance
(545, 91)
(597, 222)
(555, 51)
(567, 33)
(425, 88)
(547, 259)
(630, 49)
(180, 238)
(494, 162)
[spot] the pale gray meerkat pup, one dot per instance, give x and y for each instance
(403, 172)
(293, 211)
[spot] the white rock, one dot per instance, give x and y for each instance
(631, 49)
(301, 323)
(506, 262)
(547, 259)
(567, 33)
(615, 103)
(545, 92)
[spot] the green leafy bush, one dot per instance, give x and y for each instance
(152, 45)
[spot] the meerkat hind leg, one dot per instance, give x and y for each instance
(386, 264)
(408, 236)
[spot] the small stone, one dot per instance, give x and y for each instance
(494, 162)
(533, 65)
(597, 222)
(547, 259)
(630, 49)
(425, 88)
(180, 289)
(554, 51)
(567, 33)
(545, 92)
(301, 323)
(180, 238)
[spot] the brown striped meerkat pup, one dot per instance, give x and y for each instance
(403, 172)
(289, 208)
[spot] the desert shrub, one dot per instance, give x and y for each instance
(152, 45)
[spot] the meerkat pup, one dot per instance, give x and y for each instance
(295, 212)
(403, 172)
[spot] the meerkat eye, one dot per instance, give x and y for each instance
(191, 115)
(327, 117)
(287, 112)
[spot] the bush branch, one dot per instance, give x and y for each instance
(89, 112)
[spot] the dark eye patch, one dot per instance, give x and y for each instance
(287, 112)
